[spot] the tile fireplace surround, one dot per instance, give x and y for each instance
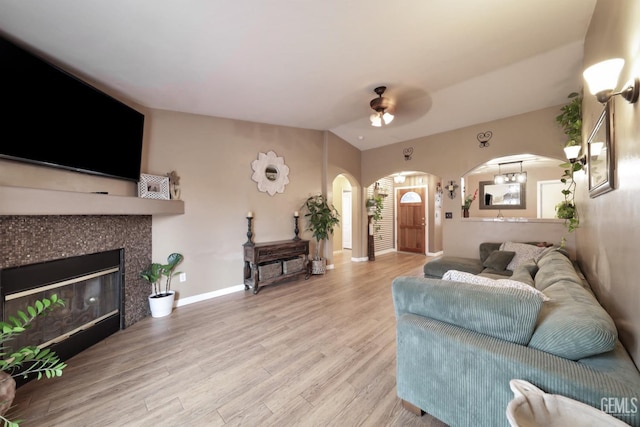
(43, 225)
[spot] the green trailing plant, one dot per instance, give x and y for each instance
(156, 271)
(321, 217)
(29, 360)
(374, 206)
(570, 119)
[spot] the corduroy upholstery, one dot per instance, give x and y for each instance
(457, 366)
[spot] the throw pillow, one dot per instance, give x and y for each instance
(462, 276)
(498, 260)
(524, 252)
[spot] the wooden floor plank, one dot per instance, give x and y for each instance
(314, 352)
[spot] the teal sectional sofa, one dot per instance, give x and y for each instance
(459, 344)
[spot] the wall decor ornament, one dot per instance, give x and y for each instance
(407, 153)
(270, 172)
(153, 187)
(484, 137)
(451, 188)
(174, 185)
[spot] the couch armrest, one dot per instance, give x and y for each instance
(506, 313)
(462, 377)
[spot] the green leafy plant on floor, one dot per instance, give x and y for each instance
(29, 360)
(570, 119)
(322, 218)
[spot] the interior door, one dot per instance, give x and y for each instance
(346, 219)
(411, 219)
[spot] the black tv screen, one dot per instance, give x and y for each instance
(54, 119)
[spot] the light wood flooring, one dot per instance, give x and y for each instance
(316, 352)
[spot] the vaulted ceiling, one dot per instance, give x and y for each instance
(314, 64)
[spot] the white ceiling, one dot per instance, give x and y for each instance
(314, 64)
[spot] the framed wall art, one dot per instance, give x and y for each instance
(600, 158)
(153, 187)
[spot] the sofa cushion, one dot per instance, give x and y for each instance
(525, 273)
(461, 276)
(487, 248)
(573, 324)
(498, 260)
(437, 267)
(553, 267)
(524, 252)
(506, 313)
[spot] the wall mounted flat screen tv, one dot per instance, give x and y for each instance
(52, 118)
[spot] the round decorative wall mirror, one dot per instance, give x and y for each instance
(270, 172)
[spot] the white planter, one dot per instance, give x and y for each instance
(162, 306)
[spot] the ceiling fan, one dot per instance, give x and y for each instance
(383, 108)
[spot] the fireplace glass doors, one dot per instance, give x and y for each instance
(91, 287)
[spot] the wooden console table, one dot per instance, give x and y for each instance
(261, 254)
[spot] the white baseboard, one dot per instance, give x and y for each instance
(435, 253)
(209, 295)
(330, 266)
(360, 259)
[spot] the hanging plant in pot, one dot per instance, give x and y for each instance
(570, 120)
(161, 303)
(322, 219)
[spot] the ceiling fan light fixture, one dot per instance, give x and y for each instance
(383, 108)
(376, 120)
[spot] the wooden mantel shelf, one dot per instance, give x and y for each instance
(33, 201)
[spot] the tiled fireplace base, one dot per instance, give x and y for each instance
(31, 239)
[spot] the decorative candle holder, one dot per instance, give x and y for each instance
(249, 233)
(296, 229)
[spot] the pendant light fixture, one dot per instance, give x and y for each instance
(383, 108)
(511, 177)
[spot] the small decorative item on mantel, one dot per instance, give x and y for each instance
(467, 203)
(174, 185)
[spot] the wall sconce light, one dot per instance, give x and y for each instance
(572, 152)
(510, 177)
(602, 79)
(451, 188)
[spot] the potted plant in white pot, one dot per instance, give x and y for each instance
(25, 361)
(161, 303)
(322, 219)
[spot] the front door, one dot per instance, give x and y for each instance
(411, 219)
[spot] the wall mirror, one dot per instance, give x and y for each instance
(502, 196)
(600, 154)
(270, 172)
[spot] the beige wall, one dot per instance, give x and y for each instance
(609, 228)
(453, 154)
(344, 159)
(213, 158)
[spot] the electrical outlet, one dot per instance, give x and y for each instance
(183, 277)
